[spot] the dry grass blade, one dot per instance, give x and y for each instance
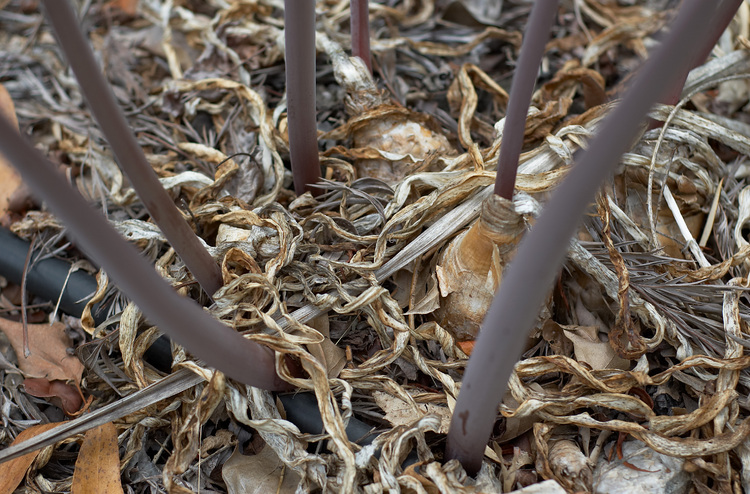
(203, 88)
(169, 386)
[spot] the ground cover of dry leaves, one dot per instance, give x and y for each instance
(644, 334)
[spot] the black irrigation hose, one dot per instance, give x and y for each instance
(299, 407)
(46, 279)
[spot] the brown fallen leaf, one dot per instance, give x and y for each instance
(49, 351)
(63, 395)
(13, 471)
(98, 464)
(10, 180)
(259, 473)
(466, 346)
(591, 349)
(327, 353)
(129, 7)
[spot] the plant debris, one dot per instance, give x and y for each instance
(645, 331)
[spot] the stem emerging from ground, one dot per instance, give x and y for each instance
(299, 37)
(360, 29)
(535, 38)
(179, 317)
(129, 155)
(725, 11)
(540, 255)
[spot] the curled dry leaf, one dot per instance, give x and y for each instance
(63, 395)
(49, 356)
(428, 485)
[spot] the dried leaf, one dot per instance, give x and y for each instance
(12, 472)
(98, 464)
(332, 357)
(63, 395)
(398, 412)
(590, 349)
(10, 180)
(49, 351)
(259, 473)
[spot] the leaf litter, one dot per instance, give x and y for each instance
(644, 333)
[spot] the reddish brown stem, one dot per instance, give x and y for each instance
(725, 11)
(360, 29)
(540, 23)
(299, 36)
(532, 272)
(179, 317)
(129, 155)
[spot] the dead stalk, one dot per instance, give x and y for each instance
(719, 21)
(360, 29)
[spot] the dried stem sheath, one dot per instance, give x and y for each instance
(299, 37)
(130, 157)
(540, 255)
(532, 49)
(360, 29)
(179, 317)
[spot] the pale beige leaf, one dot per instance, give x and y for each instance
(259, 474)
(398, 412)
(592, 350)
(332, 357)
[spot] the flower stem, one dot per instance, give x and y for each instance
(128, 153)
(540, 254)
(299, 36)
(532, 49)
(179, 317)
(360, 29)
